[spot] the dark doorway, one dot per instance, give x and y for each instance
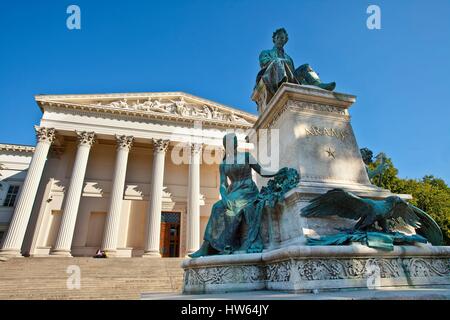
(170, 234)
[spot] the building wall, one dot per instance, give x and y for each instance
(94, 202)
(184, 119)
(13, 170)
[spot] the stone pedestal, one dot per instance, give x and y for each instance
(304, 269)
(317, 139)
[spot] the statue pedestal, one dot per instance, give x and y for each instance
(298, 269)
(316, 138)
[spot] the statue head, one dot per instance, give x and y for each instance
(280, 37)
(367, 155)
(394, 200)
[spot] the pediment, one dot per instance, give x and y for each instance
(164, 105)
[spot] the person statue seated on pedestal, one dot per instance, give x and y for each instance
(278, 67)
(237, 204)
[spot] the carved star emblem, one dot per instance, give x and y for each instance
(331, 153)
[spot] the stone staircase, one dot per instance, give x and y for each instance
(111, 278)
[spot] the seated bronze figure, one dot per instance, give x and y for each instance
(278, 67)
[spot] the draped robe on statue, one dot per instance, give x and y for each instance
(278, 67)
(225, 220)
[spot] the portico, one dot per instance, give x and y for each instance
(110, 170)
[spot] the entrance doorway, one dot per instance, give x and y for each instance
(170, 234)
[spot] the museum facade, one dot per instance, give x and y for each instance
(131, 174)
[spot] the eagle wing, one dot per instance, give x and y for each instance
(402, 215)
(405, 213)
(337, 202)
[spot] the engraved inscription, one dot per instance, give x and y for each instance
(316, 107)
(330, 132)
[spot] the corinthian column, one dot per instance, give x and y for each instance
(193, 217)
(72, 198)
(155, 201)
(109, 244)
(17, 228)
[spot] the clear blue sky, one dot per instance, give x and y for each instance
(400, 73)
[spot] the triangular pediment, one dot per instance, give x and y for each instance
(161, 105)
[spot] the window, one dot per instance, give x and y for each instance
(2, 233)
(11, 196)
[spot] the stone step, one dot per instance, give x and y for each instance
(112, 278)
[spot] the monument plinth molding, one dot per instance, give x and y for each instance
(299, 269)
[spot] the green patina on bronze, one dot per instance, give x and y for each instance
(241, 202)
(378, 240)
(278, 67)
(380, 168)
(273, 195)
(380, 217)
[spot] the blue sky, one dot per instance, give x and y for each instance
(400, 74)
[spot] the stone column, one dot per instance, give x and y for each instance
(73, 195)
(111, 234)
(155, 201)
(193, 212)
(17, 228)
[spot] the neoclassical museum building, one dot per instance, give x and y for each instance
(125, 173)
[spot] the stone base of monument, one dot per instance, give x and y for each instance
(311, 128)
(299, 269)
(284, 225)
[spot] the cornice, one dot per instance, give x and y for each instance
(144, 103)
(118, 113)
(16, 148)
(306, 99)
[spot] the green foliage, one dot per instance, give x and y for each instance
(389, 179)
(430, 194)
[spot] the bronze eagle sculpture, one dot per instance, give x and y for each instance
(389, 213)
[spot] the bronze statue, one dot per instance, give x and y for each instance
(278, 67)
(237, 204)
(380, 160)
(385, 215)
